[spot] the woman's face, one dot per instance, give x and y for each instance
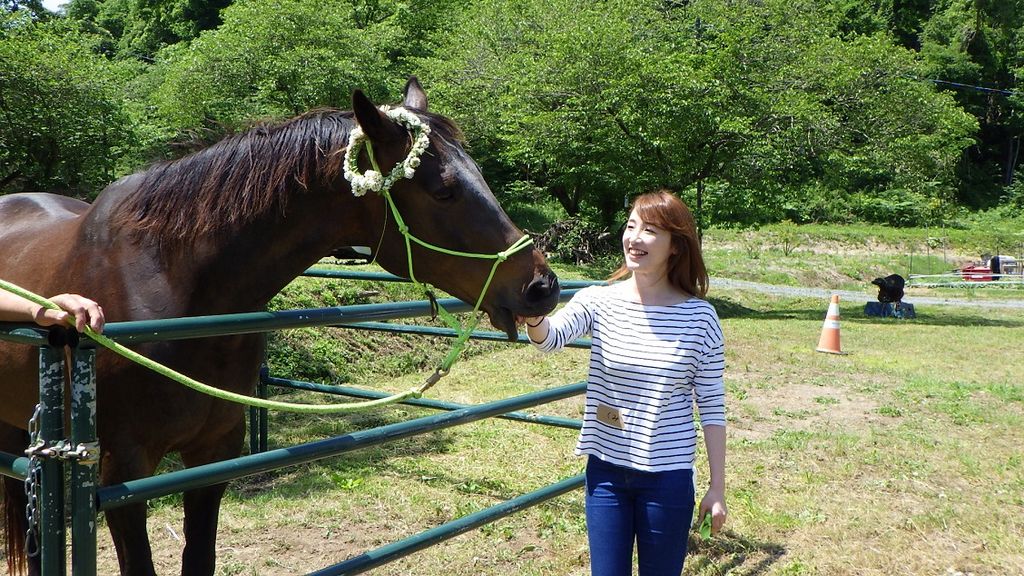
(646, 247)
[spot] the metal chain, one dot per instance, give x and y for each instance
(32, 485)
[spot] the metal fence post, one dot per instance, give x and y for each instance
(83, 469)
(264, 428)
(259, 417)
(51, 484)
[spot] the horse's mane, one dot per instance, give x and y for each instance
(232, 181)
(235, 179)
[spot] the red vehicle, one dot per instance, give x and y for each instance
(995, 268)
(976, 273)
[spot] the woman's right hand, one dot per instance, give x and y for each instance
(530, 321)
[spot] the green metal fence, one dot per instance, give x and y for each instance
(55, 456)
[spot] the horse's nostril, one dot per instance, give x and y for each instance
(542, 288)
(554, 288)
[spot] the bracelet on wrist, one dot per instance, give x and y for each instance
(535, 325)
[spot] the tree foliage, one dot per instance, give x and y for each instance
(759, 102)
(978, 43)
(62, 124)
(140, 28)
(273, 59)
(586, 99)
(754, 111)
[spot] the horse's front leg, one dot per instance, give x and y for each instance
(127, 524)
(202, 506)
(128, 530)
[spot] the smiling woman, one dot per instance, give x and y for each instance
(657, 349)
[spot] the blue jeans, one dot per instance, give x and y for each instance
(624, 505)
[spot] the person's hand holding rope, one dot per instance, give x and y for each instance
(84, 311)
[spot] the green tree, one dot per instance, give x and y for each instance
(591, 100)
(274, 59)
(141, 28)
(62, 126)
(34, 7)
(826, 113)
(747, 108)
(977, 43)
(902, 19)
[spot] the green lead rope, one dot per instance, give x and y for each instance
(464, 332)
(211, 390)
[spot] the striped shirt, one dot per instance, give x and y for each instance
(649, 363)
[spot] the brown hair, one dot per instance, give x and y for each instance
(686, 269)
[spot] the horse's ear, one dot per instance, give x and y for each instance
(415, 97)
(375, 124)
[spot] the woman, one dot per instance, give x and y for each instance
(656, 347)
(86, 312)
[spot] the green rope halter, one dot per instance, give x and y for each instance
(406, 169)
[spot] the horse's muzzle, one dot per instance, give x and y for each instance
(541, 294)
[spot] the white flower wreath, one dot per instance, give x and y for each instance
(373, 180)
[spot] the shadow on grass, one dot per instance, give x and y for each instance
(728, 309)
(343, 470)
(728, 552)
(931, 320)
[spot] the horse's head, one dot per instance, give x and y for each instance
(448, 204)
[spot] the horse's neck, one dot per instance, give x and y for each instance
(238, 260)
(244, 269)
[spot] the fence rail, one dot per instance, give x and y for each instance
(965, 280)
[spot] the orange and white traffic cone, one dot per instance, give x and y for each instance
(829, 341)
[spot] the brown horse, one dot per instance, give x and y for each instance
(222, 231)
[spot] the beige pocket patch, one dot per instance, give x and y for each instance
(609, 416)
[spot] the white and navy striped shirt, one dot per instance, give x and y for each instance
(650, 363)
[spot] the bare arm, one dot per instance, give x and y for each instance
(15, 308)
(714, 500)
(85, 312)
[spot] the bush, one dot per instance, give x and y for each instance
(900, 208)
(530, 206)
(64, 123)
(818, 203)
(1012, 202)
(576, 241)
(787, 237)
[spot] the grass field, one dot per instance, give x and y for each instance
(902, 457)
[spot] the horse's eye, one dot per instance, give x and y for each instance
(444, 194)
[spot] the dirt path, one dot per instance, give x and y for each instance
(850, 296)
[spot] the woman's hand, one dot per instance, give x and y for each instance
(713, 503)
(536, 329)
(85, 311)
(530, 321)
